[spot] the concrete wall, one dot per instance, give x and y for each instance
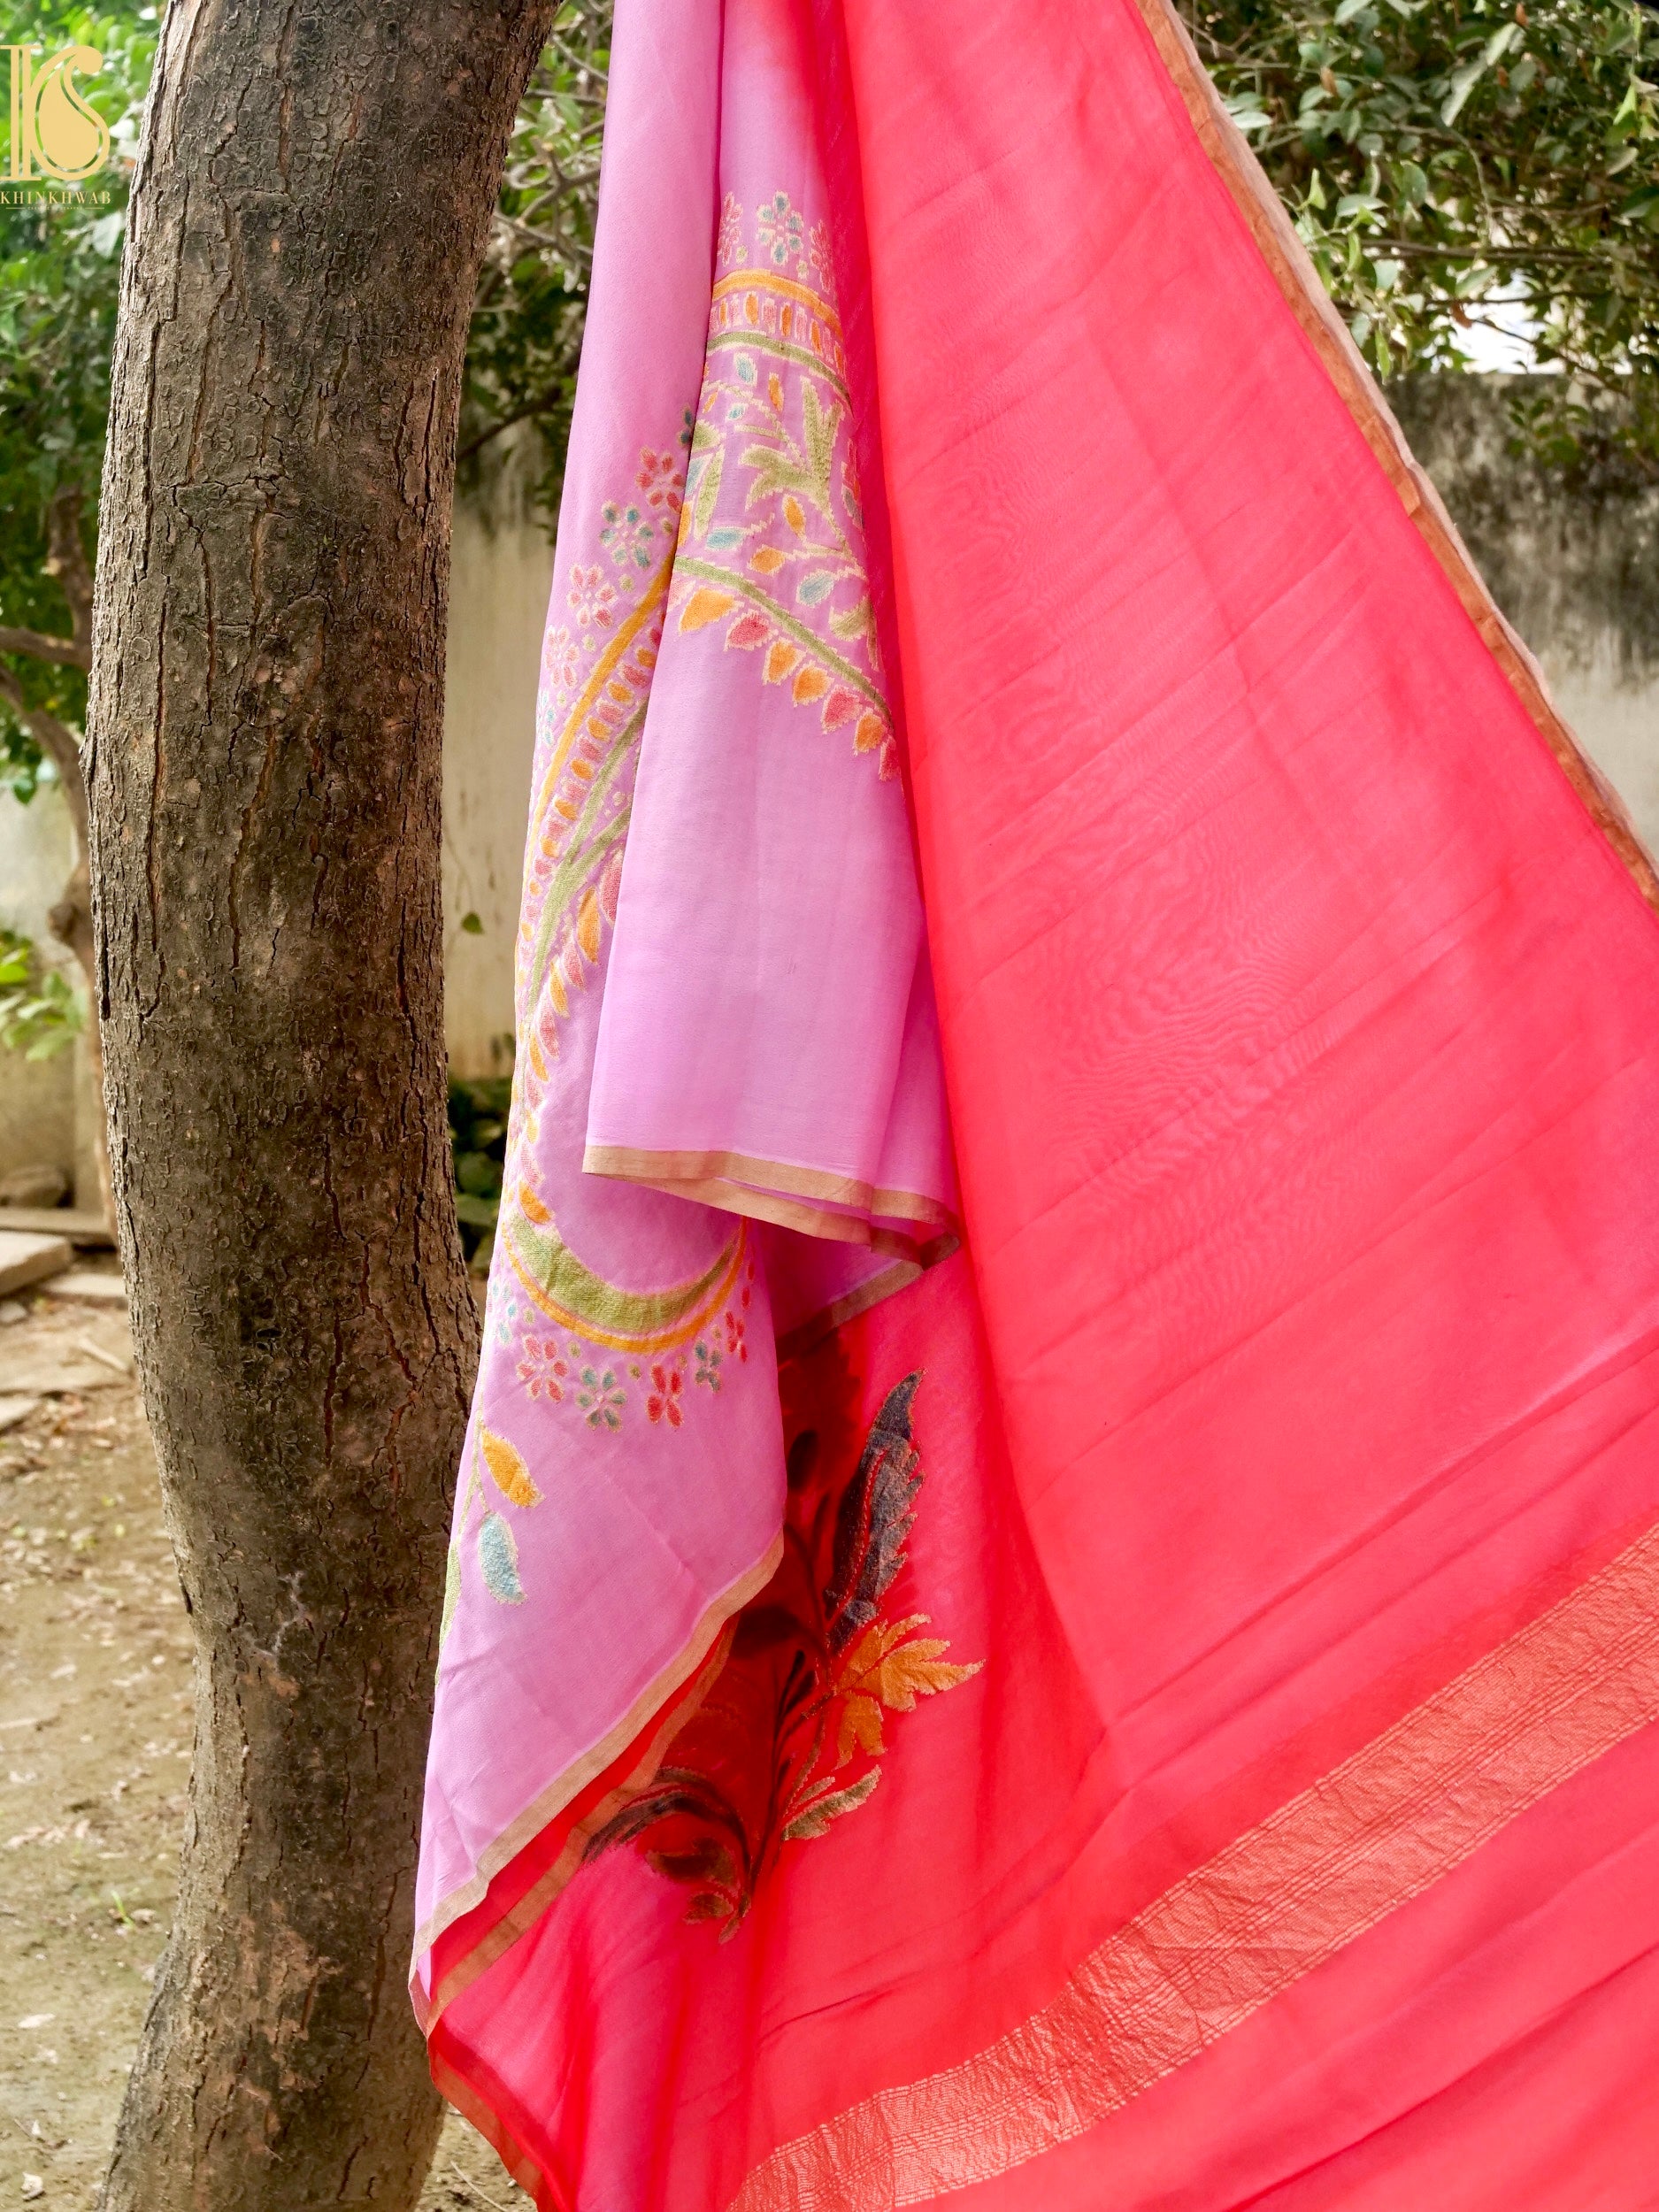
(500, 574)
(1576, 571)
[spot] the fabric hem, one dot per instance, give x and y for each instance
(783, 1177)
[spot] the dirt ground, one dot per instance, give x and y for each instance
(95, 1752)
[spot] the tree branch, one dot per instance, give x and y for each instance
(536, 406)
(64, 651)
(67, 561)
(56, 741)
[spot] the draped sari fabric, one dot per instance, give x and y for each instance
(1056, 1592)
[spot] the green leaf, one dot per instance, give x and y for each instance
(1499, 44)
(834, 1806)
(820, 424)
(1464, 82)
(708, 490)
(477, 1173)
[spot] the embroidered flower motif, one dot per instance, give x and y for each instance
(559, 658)
(730, 251)
(664, 1404)
(735, 1348)
(708, 1362)
(602, 1398)
(782, 233)
(542, 1369)
(658, 478)
(629, 536)
(818, 267)
(793, 1739)
(593, 601)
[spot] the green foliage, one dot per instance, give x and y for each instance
(59, 267)
(39, 1011)
(1451, 162)
(527, 331)
(478, 1139)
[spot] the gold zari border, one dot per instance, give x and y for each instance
(692, 1173)
(1397, 1816)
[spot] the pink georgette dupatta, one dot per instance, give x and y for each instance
(1152, 1707)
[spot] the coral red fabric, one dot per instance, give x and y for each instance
(1286, 1832)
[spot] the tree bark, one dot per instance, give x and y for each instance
(308, 215)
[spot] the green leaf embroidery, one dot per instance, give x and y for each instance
(818, 1815)
(709, 490)
(451, 1593)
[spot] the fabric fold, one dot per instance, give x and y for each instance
(769, 1042)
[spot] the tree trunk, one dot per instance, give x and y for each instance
(310, 208)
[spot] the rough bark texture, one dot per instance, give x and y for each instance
(264, 768)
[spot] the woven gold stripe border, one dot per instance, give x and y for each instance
(630, 1164)
(1393, 1819)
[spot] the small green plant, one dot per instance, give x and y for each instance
(478, 1138)
(39, 1011)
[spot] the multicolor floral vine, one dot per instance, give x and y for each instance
(596, 681)
(772, 528)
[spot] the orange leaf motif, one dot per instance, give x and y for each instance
(767, 559)
(587, 923)
(506, 1465)
(705, 605)
(883, 1666)
(780, 659)
(860, 1729)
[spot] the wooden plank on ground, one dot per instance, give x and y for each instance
(57, 1221)
(83, 1282)
(27, 1259)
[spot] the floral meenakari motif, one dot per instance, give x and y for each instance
(771, 531)
(576, 1339)
(580, 812)
(792, 1735)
